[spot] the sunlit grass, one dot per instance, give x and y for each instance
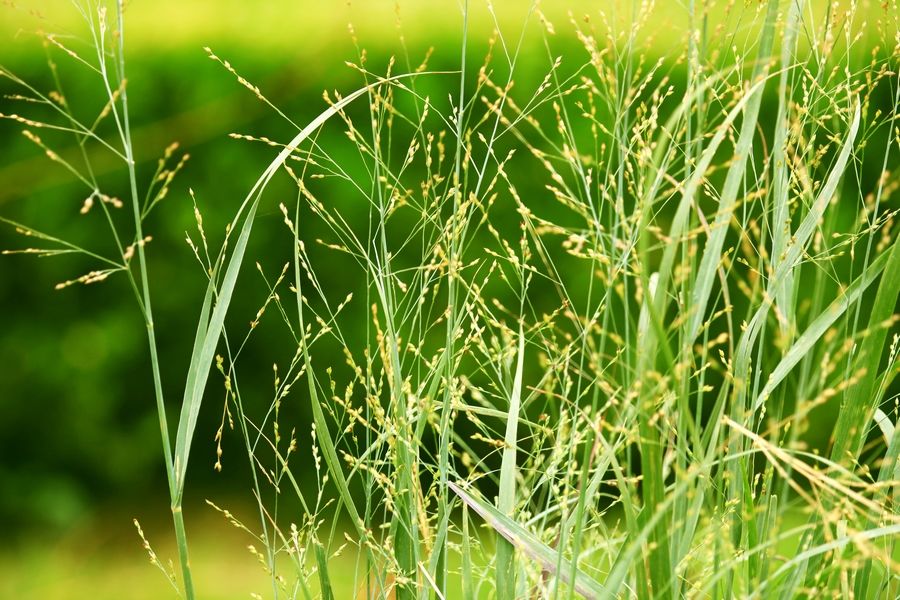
(566, 339)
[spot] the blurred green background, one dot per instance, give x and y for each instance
(79, 440)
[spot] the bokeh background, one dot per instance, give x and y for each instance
(79, 439)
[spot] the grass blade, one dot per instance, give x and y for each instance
(506, 502)
(712, 253)
(817, 328)
(789, 261)
(529, 544)
(322, 564)
(202, 355)
(781, 226)
(860, 402)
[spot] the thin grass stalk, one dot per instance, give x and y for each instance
(439, 561)
(177, 512)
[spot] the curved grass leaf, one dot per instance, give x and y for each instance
(789, 261)
(817, 328)
(861, 400)
(506, 502)
(530, 545)
(209, 331)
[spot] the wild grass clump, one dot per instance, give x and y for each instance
(630, 332)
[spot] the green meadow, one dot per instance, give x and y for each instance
(452, 299)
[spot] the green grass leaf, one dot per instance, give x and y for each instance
(530, 545)
(506, 501)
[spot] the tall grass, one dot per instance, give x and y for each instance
(592, 331)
